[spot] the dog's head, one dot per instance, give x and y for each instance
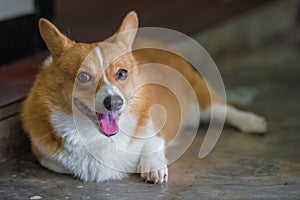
(94, 77)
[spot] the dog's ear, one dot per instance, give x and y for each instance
(128, 29)
(54, 39)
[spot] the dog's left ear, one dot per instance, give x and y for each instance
(128, 29)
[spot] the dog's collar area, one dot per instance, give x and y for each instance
(107, 123)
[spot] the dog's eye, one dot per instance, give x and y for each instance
(84, 77)
(122, 74)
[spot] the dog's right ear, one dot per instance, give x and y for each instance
(55, 41)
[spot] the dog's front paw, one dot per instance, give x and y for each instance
(153, 170)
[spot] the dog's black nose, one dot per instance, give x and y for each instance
(113, 102)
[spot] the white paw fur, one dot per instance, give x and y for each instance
(153, 170)
(246, 121)
(252, 123)
(153, 162)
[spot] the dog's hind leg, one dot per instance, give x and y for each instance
(245, 121)
(213, 106)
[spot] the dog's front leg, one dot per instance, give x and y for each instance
(153, 162)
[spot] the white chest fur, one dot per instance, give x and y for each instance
(90, 155)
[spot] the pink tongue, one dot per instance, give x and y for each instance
(109, 123)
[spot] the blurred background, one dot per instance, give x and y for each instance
(256, 46)
(95, 20)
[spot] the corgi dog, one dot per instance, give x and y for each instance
(84, 99)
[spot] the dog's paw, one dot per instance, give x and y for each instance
(153, 170)
(156, 176)
(252, 123)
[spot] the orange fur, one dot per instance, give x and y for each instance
(54, 87)
(51, 91)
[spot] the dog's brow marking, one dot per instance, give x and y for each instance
(100, 57)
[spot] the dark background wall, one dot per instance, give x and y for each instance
(94, 20)
(19, 36)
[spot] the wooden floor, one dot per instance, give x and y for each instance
(241, 166)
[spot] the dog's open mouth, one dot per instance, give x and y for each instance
(107, 122)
